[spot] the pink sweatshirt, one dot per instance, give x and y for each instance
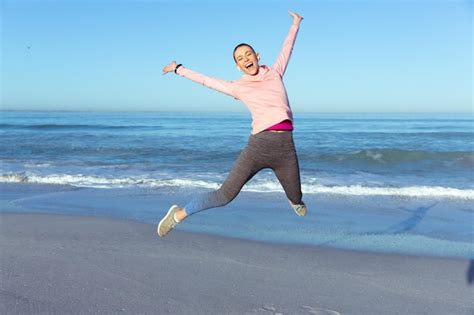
(264, 93)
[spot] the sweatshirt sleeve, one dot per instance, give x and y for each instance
(226, 87)
(285, 53)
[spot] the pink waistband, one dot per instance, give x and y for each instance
(283, 125)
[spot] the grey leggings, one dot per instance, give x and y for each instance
(274, 150)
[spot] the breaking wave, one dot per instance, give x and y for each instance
(260, 186)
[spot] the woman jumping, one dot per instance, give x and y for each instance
(270, 145)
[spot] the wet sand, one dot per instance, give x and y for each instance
(59, 264)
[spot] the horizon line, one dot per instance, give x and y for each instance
(231, 112)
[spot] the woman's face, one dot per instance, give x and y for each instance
(247, 60)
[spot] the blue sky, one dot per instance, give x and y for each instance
(350, 56)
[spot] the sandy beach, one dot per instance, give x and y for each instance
(114, 112)
(67, 264)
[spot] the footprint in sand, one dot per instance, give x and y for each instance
(319, 311)
(310, 309)
(271, 309)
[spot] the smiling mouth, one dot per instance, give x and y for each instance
(249, 65)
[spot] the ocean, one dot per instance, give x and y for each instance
(372, 181)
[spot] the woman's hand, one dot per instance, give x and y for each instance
(296, 18)
(169, 68)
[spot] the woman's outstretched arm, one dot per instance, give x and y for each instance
(285, 53)
(222, 86)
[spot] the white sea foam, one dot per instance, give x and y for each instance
(260, 186)
(410, 191)
(104, 182)
(359, 190)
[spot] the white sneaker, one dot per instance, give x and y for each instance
(300, 209)
(168, 222)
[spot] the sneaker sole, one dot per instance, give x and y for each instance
(300, 215)
(167, 213)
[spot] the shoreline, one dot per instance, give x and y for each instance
(54, 263)
(378, 224)
(207, 234)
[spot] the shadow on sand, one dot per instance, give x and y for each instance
(408, 224)
(398, 228)
(404, 227)
(470, 273)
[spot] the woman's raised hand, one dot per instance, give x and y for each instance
(169, 67)
(296, 17)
